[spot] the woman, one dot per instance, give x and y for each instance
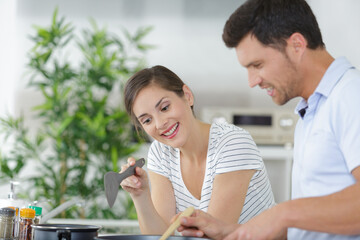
(216, 168)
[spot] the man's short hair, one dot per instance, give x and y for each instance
(272, 22)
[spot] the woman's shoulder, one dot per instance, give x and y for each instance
(223, 133)
(221, 129)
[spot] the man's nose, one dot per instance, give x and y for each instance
(253, 79)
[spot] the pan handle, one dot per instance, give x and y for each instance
(64, 234)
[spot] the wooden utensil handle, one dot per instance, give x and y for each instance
(176, 223)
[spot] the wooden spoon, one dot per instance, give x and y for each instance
(176, 223)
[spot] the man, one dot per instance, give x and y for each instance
(280, 44)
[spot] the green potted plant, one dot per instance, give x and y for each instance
(85, 130)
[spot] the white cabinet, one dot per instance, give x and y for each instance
(278, 162)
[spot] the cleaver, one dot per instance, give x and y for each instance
(112, 181)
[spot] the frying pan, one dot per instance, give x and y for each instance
(112, 181)
(64, 231)
(144, 237)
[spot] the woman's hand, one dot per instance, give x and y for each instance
(135, 184)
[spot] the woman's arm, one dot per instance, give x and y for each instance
(156, 209)
(225, 207)
(228, 195)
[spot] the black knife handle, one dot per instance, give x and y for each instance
(131, 170)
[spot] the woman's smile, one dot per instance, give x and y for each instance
(171, 132)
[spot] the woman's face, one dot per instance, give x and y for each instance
(164, 115)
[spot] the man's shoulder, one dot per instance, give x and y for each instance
(349, 85)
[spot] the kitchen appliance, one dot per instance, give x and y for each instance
(112, 181)
(266, 126)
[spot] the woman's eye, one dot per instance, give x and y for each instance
(165, 108)
(146, 121)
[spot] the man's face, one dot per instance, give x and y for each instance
(270, 69)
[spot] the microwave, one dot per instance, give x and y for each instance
(266, 126)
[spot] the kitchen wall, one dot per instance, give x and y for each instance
(187, 35)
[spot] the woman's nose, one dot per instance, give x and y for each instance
(160, 122)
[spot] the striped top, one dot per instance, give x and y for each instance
(230, 149)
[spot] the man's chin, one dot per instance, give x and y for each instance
(280, 102)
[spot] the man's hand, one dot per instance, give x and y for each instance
(264, 226)
(201, 224)
(267, 225)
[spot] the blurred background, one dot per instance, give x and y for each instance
(187, 36)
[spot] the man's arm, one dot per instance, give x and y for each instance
(337, 213)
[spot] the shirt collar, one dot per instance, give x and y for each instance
(331, 77)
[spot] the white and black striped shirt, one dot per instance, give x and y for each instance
(230, 149)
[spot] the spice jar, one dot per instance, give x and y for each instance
(16, 222)
(7, 223)
(38, 212)
(27, 216)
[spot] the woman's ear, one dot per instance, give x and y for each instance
(188, 95)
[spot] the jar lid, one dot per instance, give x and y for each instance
(27, 213)
(9, 212)
(16, 210)
(38, 210)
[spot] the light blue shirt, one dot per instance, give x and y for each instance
(327, 140)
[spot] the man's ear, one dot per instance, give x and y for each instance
(296, 45)
(188, 95)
